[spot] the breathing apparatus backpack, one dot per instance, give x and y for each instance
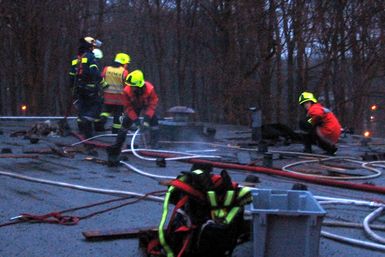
(207, 219)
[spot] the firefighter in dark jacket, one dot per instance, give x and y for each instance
(321, 125)
(115, 76)
(140, 99)
(85, 83)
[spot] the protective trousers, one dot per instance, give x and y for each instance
(108, 110)
(126, 124)
(89, 108)
(313, 137)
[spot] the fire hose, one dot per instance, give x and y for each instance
(271, 171)
(259, 169)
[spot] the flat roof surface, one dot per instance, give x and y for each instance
(43, 239)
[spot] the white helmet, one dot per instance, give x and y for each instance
(98, 53)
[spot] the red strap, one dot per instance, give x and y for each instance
(217, 180)
(186, 242)
(179, 205)
(53, 217)
(152, 245)
(188, 189)
(182, 229)
(79, 67)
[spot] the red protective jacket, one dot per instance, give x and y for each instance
(327, 123)
(146, 102)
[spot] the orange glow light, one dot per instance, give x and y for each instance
(373, 107)
(23, 107)
(367, 134)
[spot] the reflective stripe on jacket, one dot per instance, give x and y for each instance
(84, 70)
(114, 77)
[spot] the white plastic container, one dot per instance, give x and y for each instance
(286, 223)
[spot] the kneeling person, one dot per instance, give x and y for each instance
(321, 125)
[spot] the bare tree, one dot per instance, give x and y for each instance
(218, 56)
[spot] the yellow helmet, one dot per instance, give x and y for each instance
(135, 78)
(306, 97)
(122, 58)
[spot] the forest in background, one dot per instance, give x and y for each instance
(217, 56)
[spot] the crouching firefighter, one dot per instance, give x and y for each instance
(321, 125)
(85, 83)
(140, 99)
(207, 219)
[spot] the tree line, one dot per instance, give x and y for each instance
(217, 56)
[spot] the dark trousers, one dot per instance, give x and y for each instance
(127, 123)
(89, 106)
(313, 138)
(110, 109)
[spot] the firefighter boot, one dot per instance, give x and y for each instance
(116, 125)
(80, 125)
(99, 124)
(307, 148)
(307, 141)
(113, 153)
(154, 138)
(329, 148)
(86, 128)
(332, 150)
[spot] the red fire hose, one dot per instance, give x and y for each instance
(270, 171)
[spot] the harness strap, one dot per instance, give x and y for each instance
(217, 181)
(180, 203)
(186, 242)
(188, 189)
(151, 247)
(79, 64)
(161, 234)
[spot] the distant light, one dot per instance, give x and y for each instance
(367, 133)
(24, 107)
(371, 117)
(373, 107)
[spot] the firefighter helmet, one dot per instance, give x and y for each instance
(135, 78)
(306, 97)
(98, 53)
(122, 58)
(90, 42)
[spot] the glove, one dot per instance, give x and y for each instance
(137, 123)
(305, 125)
(145, 125)
(146, 122)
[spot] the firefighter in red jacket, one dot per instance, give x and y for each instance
(114, 99)
(140, 99)
(321, 124)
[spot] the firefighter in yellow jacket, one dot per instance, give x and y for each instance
(114, 99)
